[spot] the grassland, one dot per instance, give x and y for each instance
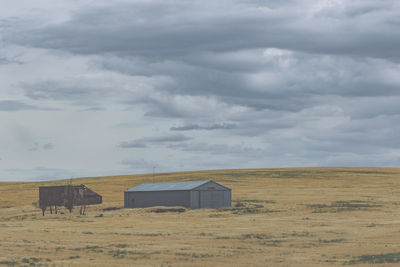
(279, 217)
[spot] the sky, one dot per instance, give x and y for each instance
(95, 88)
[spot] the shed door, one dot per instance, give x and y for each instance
(211, 199)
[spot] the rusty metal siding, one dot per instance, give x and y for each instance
(158, 198)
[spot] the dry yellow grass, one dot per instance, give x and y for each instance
(286, 217)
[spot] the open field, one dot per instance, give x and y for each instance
(280, 217)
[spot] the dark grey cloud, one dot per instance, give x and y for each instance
(5, 61)
(220, 149)
(141, 165)
(81, 92)
(291, 82)
(159, 29)
(204, 53)
(13, 105)
(36, 146)
(48, 146)
(133, 144)
(216, 126)
(93, 109)
(144, 142)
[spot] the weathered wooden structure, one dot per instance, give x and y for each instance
(67, 196)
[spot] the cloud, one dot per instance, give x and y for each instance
(40, 173)
(144, 142)
(93, 109)
(168, 29)
(5, 61)
(7, 57)
(48, 146)
(12, 105)
(257, 83)
(133, 144)
(37, 146)
(141, 165)
(220, 149)
(189, 127)
(264, 56)
(77, 91)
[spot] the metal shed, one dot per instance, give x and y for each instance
(192, 194)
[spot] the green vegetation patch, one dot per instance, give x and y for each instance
(223, 237)
(376, 258)
(148, 234)
(119, 253)
(257, 201)
(202, 255)
(14, 218)
(92, 247)
(32, 261)
(255, 236)
(262, 239)
(122, 253)
(272, 242)
(214, 215)
(324, 241)
(74, 257)
(8, 263)
(111, 208)
(242, 211)
(339, 206)
(249, 207)
(298, 234)
(163, 210)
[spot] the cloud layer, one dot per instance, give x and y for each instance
(250, 83)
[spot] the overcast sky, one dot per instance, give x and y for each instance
(93, 88)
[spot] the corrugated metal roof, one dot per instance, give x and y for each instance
(167, 186)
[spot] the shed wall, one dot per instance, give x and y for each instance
(158, 198)
(213, 195)
(227, 198)
(194, 199)
(211, 186)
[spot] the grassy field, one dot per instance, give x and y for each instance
(279, 217)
